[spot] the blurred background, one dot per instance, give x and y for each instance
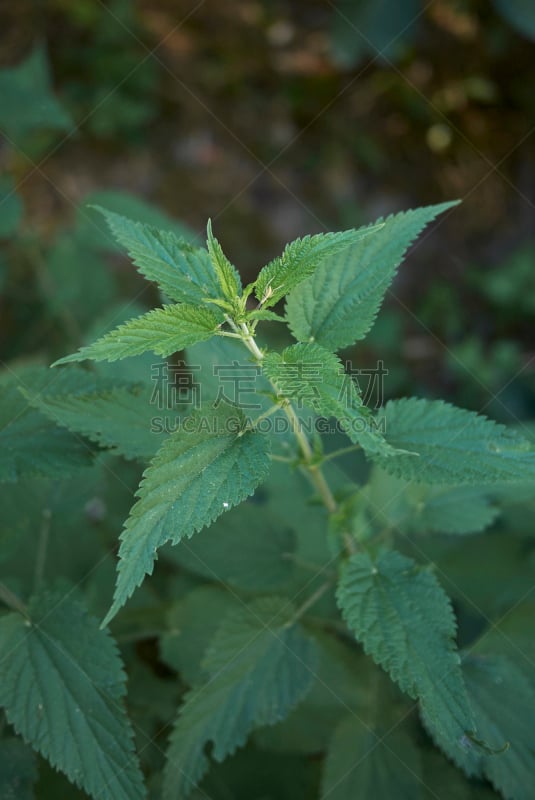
(278, 119)
(275, 119)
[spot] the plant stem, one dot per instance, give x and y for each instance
(309, 602)
(282, 459)
(324, 490)
(308, 565)
(229, 335)
(342, 452)
(250, 343)
(310, 465)
(288, 409)
(42, 547)
(266, 414)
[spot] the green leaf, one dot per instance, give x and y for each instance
(201, 471)
(499, 674)
(260, 667)
(486, 593)
(30, 443)
(207, 359)
(371, 762)
(135, 370)
(339, 303)
(163, 331)
(18, 770)
(191, 624)
(504, 708)
(512, 635)
(247, 548)
(28, 103)
(72, 519)
(94, 231)
(118, 418)
(62, 685)
(308, 374)
(76, 296)
(335, 691)
(228, 277)
(520, 14)
(268, 316)
(152, 698)
(453, 510)
(444, 781)
(299, 260)
(183, 272)
(419, 508)
(403, 618)
(454, 446)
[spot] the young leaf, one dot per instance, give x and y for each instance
(163, 331)
(229, 279)
(311, 375)
(201, 471)
(453, 445)
(339, 303)
(367, 763)
(299, 260)
(403, 618)
(183, 272)
(268, 316)
(62, 685)
(259, 666)
(118, 418)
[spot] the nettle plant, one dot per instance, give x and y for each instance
(289, 587)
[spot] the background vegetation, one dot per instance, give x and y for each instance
(276, 119)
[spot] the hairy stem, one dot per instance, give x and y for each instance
(282, 459)
(311, 467)
(309, 602)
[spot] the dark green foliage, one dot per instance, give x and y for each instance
(379, 599)
(32, 444)
(289, 590)
(60, 673)
(11, 205)
(258, 666)
(28, 103)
